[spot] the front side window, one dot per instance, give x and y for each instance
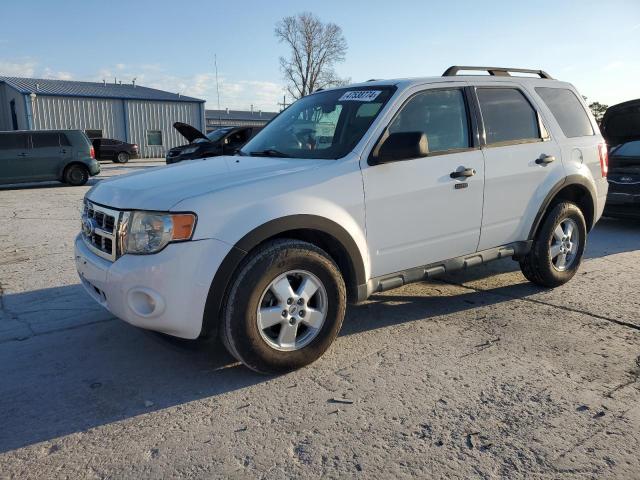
(324, 125)
(507, 116)
(154, 137)
(44, 140)
(440, 114)
(567, 110)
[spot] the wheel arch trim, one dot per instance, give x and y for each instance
(571, 180)
(258, 235)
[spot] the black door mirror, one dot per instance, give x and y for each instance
(402, 146)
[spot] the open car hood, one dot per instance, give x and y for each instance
(621, 123)
(189, 132)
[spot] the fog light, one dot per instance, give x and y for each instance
(145, 302)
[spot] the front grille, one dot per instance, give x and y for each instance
(100, 230)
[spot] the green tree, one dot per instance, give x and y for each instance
(598, 110)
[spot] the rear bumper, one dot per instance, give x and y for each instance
(94, 167)
(624, 205)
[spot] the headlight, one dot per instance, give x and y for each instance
(189, 150)
(150, 232)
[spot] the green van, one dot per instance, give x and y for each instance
(39, 155)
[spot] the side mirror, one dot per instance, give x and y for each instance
(402, 146)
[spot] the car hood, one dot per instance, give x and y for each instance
(161, 188)
(621, 123)
(189, 132)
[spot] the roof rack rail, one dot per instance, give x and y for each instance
(496, 71)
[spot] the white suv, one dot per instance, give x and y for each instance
(348, 192)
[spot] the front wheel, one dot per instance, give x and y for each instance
(557, 248)
(285, 307)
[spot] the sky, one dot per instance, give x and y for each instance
(171, 44)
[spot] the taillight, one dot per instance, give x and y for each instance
(92, 152)
(604, 159)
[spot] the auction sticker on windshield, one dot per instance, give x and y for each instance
(360, 95)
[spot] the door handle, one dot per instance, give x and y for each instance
(22, 154)
(465, 172)
(63, 151)
(545, 159)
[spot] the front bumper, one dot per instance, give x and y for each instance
(165, 292)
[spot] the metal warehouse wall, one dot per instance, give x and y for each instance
(152, 115)
(6, 95)
(80, 113)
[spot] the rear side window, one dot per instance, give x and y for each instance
(440, 114)
(13, 141)
(46, 139)
(64, 141)
(567, 110)
(507, 116)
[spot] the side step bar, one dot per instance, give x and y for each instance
(417, 274)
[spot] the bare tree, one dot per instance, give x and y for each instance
(315, 48)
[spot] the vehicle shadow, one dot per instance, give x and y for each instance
(77, 367)
(99, 372)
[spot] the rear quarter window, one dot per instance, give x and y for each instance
(567, 110)
(44, 140)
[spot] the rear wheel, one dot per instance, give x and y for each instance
(558, 246)
(76, 175)
(122, 157)
(285, 307)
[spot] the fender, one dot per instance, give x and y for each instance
(258, 235)
(566, 182)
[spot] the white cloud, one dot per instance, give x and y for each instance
(18, 69)
(234, 94)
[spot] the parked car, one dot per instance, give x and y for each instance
(115, 150)
(38, 155)
(412, 179)
(222, 141)
(621, 128)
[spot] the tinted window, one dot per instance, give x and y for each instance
(440, 114)
(567, 110)
(93, 133)
(154, 137)
(64, 140)
(13, 141)
(507, 115)
(45, 139)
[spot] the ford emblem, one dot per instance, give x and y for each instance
(88, 227)
(626, 179)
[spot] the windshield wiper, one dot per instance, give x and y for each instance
(269, 152)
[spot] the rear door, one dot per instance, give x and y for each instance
(522, 163)
(14, 157)
(47, 155)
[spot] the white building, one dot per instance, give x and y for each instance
(127, 112)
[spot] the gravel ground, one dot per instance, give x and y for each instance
(479, 375)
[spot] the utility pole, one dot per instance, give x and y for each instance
(284, 103)
(215, 64)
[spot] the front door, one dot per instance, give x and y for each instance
(416, 212)
(522, 163)
(46, 155)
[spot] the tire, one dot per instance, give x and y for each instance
(122, 157)
(543, 265)
(270, 350)
(76, 175)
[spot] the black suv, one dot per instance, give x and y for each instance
(223, 141)
(621, 128)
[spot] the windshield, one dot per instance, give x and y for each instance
(324, 125)
(217, 134)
